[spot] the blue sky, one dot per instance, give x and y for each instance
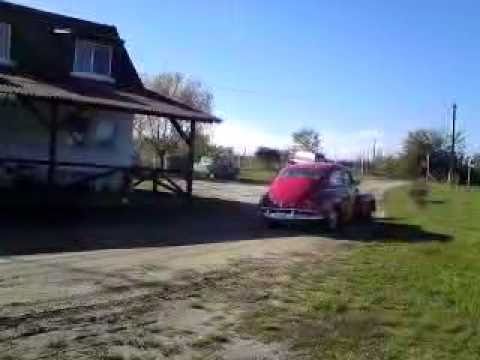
(353, 70)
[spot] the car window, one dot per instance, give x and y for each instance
(347, 179)
(336, 178)
(303, 173)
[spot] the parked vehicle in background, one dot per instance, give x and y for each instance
(203, 168)
(224, 167)
(316, 192)
(305, 157)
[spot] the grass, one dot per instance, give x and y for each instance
(257, 175)
(393, 299)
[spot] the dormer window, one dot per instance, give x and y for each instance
(93, 60)
(5, 43)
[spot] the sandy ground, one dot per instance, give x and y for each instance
(161, 285)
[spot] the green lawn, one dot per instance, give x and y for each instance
(257, 175)
(396, 299)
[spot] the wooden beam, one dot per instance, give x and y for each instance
(92, 177)
(155, 181)
(138, 182)
(83, 165)
(132, 109)
(174, 185)
(191, 158)
(180, 131)
(28, 104)
(168, 187)
(52, 146)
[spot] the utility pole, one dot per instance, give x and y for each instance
(469, 174)
(451, 173)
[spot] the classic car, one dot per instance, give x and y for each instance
(316, 192)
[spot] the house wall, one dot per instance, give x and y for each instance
(23, 136)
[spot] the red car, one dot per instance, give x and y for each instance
(313, 192)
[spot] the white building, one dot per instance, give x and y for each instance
(68, 96)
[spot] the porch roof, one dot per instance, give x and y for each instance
(102, 96)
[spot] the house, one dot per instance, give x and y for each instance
(69, 93)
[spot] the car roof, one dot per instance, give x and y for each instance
(322, 166)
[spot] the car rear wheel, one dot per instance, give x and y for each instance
(333, 220)
(272, 224)
(367, 216)
(368, 210)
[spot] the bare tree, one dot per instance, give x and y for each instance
(155, 137)
(178, 86)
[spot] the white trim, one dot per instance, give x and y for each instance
(290, 214)
(8, 60)
(92, 76)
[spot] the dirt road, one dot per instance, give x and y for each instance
(118, 279)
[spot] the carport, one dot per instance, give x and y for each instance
(27, 93)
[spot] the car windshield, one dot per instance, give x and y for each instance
(314, 174)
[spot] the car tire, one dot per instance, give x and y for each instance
(333, 220)
(272, 224)
(367, 213)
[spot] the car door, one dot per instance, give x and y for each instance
(341, 194)
(350, 194)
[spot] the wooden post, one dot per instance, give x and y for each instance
(469, 171)
(191, 158)
(155, 180)
(52, 150)
(469, 176)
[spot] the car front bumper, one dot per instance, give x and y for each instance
(281, 214)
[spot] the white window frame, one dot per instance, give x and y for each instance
(8, 60)
(91, 75)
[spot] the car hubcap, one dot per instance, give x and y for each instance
(332, 220)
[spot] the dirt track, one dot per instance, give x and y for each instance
(112, 273)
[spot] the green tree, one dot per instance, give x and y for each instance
(271, 158)
(437, 145)
(307, 140)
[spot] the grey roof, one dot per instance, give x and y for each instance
(93, 93)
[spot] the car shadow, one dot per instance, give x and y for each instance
(386, 230)
(435, 202)
(164, 220)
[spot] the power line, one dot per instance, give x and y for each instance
(284, 96)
